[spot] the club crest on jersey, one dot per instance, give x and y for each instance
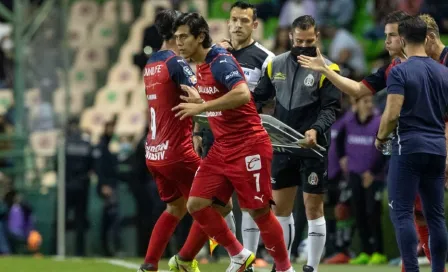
(313, 179)
(193, 80)
(309, 80)
(253, 163)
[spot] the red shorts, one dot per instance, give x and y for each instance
(174, 180)
(418, 204)
(247, 171)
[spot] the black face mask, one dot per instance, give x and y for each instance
(309, 51)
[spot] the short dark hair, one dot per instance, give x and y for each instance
(396, 17)
(413, 30)
(245, 5)
(164, 23)
(197, 25)
(304, 22)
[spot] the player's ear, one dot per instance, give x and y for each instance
(255, 24)
(317, 35)
(201, 37)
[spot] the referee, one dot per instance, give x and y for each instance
(253, 58)
(307, 102)
(416, 103)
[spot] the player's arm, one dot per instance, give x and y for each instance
(394, 103)
(265, 90)
(346, 85)
(181, 72)
(330, 102)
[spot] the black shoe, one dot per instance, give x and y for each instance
(273, 268)
(307, 268)
(147, 267)
(249, 269)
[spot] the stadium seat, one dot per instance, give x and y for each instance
(32, 97)
(127, 52)
(109, 11)
(131, 121)
(218, 30)
(138, 98)
(84, 12)
(124, 75)
(200, 6)
(82, 80)
(104, 34)
(93, 120)
(76, 101)
(6, 99)
(44, 143)
(77, 35)
(149, 7)
(110, 99)
(91, 57)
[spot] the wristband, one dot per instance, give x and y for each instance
(197, 134)
(381, 140)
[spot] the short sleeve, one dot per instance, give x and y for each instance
(376, 81)
(227, 72)
(395, 82)
(181, 72)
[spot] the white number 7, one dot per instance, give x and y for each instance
(257, 181)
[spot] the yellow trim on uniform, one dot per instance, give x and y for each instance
(270, 69)
(333, 67)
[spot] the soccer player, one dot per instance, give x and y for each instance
(169, 151)
(307, 102)
(240, 158)
(253, 59)
(434, 46)
(416, 105)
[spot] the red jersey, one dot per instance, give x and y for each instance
(377, 81)
(169, 138)
(217, 76)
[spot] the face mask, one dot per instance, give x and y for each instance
(309, 51)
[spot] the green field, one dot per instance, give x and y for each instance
(24, 264)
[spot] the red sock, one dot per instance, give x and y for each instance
(195, 241)
(423, 235)
(161, 235)
(272, 234)
(214, 225)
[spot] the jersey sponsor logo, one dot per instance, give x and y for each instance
(208, 89)
(280, 76)
(188, 71)
(222, 61)
(193, 79)
(260, 198)
(360, 140)
(253, 163)
(156, 153)
(213, 113)
(313, 179)
(151, 96)
(181, 61)
(150, 71)
(232, 75)
(309, 80)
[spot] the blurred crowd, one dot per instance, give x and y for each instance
(114, 160)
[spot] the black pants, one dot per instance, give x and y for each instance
(300, 222)
(110, 226)
(367, 209)
(77, 202)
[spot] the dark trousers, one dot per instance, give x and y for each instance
(77, 202)
(366, 207)
(424, 174)
(110, 226)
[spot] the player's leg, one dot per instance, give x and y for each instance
(422, 227)
(431, 190)
(284, 190)
(227, 213)
(249, 231)
(251, 177)
(374, 209)
(314, 179)
(403, 178)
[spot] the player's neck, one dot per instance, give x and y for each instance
(199, 56)
(415, 50)
(439, 50)
(243, 44)
(170, 45)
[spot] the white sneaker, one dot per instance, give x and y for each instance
(241, 261)
(291, 269)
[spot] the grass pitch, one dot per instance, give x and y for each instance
(51, 264)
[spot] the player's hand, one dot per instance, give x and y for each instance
(188, 110)
(311, 138)
(314, 63)
(193, 95)
(380, 144)
(367, 179)
(197, 145)
(225, 43)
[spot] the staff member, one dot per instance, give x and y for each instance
(307, 102)
(418, 156)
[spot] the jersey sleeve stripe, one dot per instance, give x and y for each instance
(270, 69)
(370, 87)
(333, 67)
(238, 83)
